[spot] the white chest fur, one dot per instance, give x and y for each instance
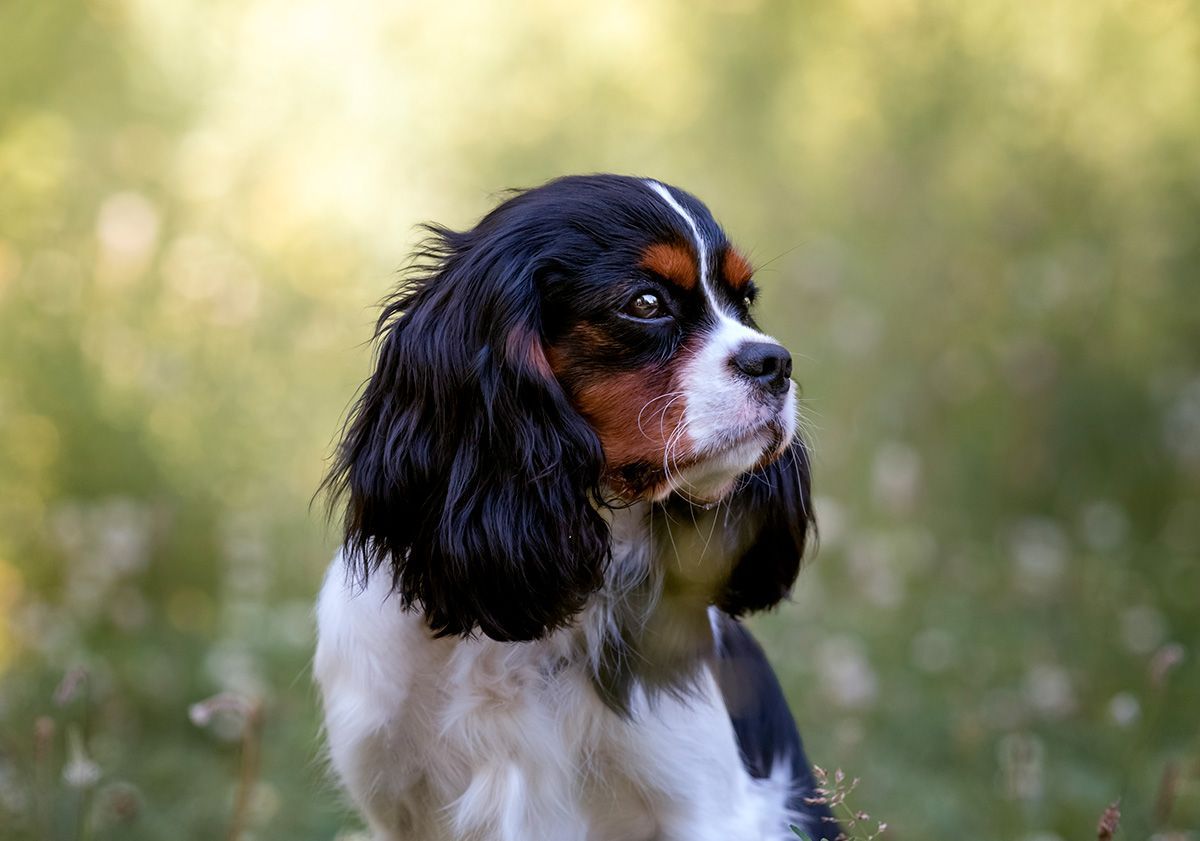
(467, 740)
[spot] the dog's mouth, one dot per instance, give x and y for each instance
(773, 436)
(706, 477)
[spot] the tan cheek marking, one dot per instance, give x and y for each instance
(736, 268)
(673, 262)
(635, 414)
(616, 403)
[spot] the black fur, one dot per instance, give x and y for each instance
(766, 732)
(773, 507)
(466, 470)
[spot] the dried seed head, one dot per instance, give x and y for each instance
(1110, 821)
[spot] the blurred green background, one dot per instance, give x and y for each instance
(979, 231)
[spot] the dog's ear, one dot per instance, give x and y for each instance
(772, 512)
(467, 474)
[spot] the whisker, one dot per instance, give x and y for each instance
(651, 402)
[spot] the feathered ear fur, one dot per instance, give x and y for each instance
(465, 470)
(773, 508)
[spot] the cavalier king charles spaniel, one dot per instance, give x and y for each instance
(574, 468)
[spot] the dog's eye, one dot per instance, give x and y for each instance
(645, 305)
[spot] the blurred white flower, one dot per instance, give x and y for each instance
(845, 673)
(1143, 628)
(1048, 690)
(1124, 709)
(80, 771)
(1038, 547)
(126, 230)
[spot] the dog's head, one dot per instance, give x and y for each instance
(588, 344)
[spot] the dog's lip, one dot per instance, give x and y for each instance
(773, 430)
(771, 435)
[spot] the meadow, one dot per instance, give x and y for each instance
(977, 226)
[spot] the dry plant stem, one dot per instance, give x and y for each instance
(77, 684)
(43, 750)
(1168, 787)
(81, 815)
(833, 794)
(248, 776)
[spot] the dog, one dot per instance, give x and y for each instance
(574, 467)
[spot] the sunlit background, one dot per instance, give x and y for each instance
(978, 226)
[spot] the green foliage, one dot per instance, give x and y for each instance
(977, 230)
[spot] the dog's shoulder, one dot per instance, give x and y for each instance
(767, 735)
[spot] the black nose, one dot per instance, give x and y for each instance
(766, 363)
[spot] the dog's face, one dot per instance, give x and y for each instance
(655, 344)
(589, 343)
(657, 348)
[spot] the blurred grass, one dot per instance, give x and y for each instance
(978, 226)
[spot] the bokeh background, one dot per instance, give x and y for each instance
(978, 226)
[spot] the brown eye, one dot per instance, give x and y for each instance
(645, 305)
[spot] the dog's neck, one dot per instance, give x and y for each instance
(649, 628)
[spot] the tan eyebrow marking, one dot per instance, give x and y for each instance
(736, 268)
(673, 262)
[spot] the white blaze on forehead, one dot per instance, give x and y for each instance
(728, 323)
(701, 248)
(701, 245)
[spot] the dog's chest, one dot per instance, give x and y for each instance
(442, 739)
(503, 731)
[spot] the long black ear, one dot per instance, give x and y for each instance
(773, 508)
(465, 470)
